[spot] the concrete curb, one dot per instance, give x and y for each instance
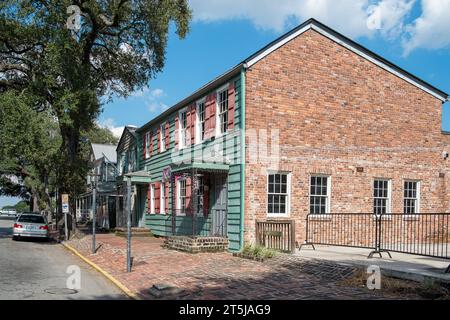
(116, 282)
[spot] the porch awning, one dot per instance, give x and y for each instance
(200, 167)
(136, 177)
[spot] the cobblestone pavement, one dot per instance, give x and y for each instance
(220, 275)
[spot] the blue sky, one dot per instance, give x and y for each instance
(410, 33)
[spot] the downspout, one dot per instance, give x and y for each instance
(241, 238)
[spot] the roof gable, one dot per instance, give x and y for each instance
(349, 44)
(129, 133)
(107, 151)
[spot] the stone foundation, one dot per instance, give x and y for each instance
(196, 244)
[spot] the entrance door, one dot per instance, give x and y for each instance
(219, 218)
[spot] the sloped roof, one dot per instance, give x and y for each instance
(285, 38)
(105, 150)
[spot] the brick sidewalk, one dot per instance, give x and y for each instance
(219, 275)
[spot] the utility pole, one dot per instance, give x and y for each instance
(128, 224)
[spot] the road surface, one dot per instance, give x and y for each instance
(37, 270)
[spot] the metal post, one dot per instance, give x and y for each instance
(129, 224)
(194, 191)
(94, 212)
(66, 229)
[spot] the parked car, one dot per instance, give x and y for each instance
(12, 213)
(29, 224)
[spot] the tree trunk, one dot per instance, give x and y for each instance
(35, 202)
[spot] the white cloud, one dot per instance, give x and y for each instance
(353, 18)
(157, 107)
(388, 16)
(110, 124)
(348, 17)
(432, 29)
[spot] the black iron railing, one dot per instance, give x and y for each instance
(276, 234)
(425, 234)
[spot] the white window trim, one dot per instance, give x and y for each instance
(147, 145)
(162, 138)
(152, 199)
(218, 91)
(197, 120)
(162, 198)
(389, 195)
(328, 202)
(288, 190)
(418, 193)
(181, 144)
(179, 213)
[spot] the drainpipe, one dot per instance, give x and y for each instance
(241, 238)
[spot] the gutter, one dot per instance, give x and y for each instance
(243, 95)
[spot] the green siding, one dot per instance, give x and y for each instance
(162, 224)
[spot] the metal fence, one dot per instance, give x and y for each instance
(276, 234)
(184, 223)
(425, 234)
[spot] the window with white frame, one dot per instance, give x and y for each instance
(183, 128)
(182, 196)
(222, 103)
(162, 202)
(162, 138)
(201, 121)
(152, 198)
(147, 145)
(278, 194)
(411, 194)
(381, 196)
(319, 194)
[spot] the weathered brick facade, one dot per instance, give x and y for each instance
(336, 112)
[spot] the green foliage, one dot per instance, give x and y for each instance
(30, 144)
(62, 74)
(258, 251)
(22, 206)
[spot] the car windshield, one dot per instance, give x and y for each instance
(31, 219)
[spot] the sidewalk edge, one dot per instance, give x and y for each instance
(116, 282)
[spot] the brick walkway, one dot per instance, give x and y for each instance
(219, 275)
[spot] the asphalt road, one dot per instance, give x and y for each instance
(37, 270)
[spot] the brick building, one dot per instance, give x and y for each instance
(329, 127)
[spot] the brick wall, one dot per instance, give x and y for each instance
(336, 111)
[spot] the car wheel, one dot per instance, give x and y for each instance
(14, 238)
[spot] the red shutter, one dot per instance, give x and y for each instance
(149, 198)
(189, 208)
(167, 196)
(176, 133)
(210, 113)
(143, 146)
(167, 135)
(175, 197)
(193, 123)
(151, 144)
(231, 105)
(188, 126)
(157, 197)
(159, 139)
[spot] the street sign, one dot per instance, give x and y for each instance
(65, 203)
